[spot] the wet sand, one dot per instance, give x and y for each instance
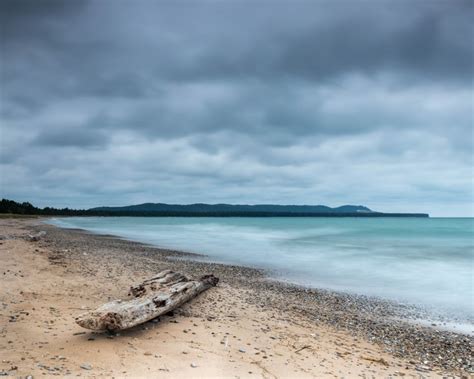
(248, 326)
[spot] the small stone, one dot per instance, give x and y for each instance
(193, 365)
(86, 366)
(148, 353)
(242, 350)
(422, 368)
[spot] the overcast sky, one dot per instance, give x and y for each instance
(290, 102)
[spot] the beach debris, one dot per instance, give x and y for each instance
(37, 236)
(302, 348)
(377, 360)
(154, 297)
(86, 366)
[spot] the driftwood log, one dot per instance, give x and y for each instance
(154, 297)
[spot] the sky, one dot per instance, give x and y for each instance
(287, 102)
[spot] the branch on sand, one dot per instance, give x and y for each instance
(377, 360)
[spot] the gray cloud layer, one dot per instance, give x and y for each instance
(117, 102)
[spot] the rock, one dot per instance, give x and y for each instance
(37, 236)
(86, 366)
(422, 368)
(242, 350)
(193, 365)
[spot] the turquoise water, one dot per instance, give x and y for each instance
(424, 261)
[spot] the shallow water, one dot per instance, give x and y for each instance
(423, 261)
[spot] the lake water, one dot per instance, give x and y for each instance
(423, 261)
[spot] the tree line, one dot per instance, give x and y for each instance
(26, 208)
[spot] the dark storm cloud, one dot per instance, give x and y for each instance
(106, 43)
(424, 40)
(188, 99)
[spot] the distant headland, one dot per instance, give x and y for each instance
(204, 210)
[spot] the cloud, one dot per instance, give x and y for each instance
(313, 102)
(66, 137)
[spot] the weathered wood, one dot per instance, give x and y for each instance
(154, 297)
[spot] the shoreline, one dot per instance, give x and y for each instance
(368, 322)
(403, 311)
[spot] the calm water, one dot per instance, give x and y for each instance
(420, 261)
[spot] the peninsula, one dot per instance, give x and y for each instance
(205, 210)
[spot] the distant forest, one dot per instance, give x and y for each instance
(26, 208)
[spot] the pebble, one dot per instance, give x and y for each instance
(193, 365)
(242, 350)
(86, 366)
(422, 368)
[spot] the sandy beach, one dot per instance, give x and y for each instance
(247, 326)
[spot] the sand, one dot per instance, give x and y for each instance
(247, 326)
